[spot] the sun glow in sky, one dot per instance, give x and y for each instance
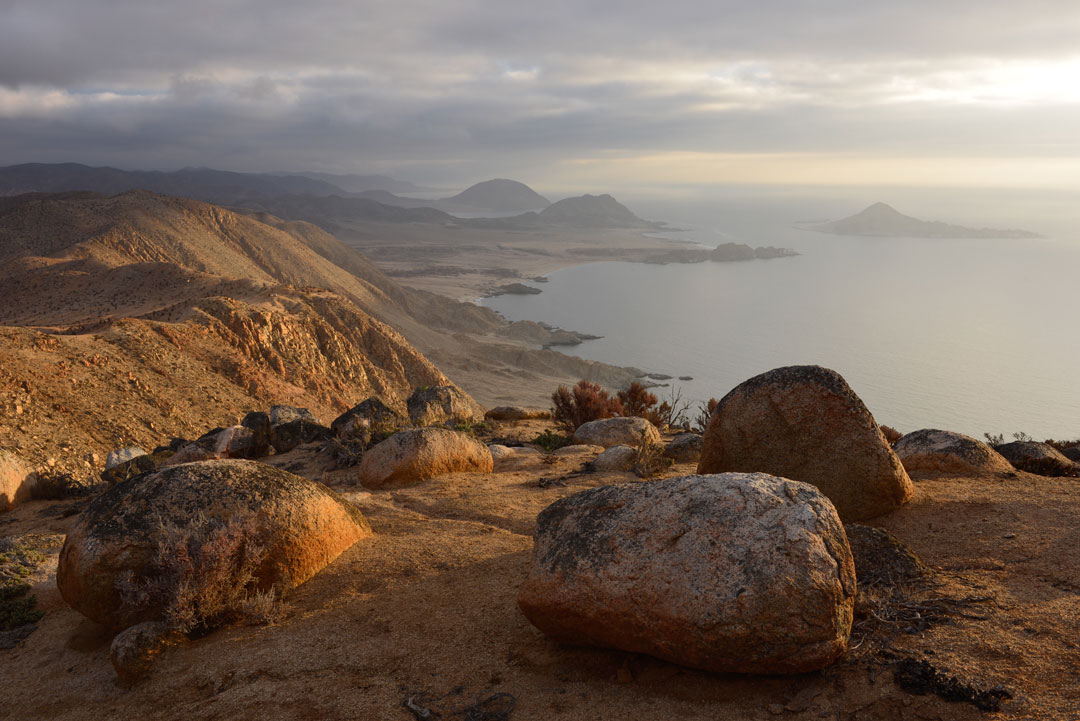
(583, 94)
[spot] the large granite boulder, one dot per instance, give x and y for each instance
(16, 481)
(1035, 457)
(736, 572)
(932, 451)
(805, 423)
(441, 404)
(412, 456)
(622, 431)
(298, 526)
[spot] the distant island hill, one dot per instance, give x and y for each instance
(884, 221)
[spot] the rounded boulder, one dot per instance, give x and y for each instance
(299, 525)
(415, 455)
(805, 423)
(736, 572)
(621, 431)
(934, 451)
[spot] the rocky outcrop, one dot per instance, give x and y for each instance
(933, 451)
(805, 423)
(609, 432)
(737, 572)
(299, 525)
(415, 455)
(16, 481)
(440, 404)
(517, 413)
(684, 448)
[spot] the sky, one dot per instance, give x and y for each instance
(572, 94)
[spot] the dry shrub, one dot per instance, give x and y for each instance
(891, 434)
(586, 401)
(639, 402)
(705, 411)
(203, 576)
(649, 458)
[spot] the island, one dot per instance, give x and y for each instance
(884, 221)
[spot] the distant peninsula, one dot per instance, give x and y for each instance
(884, 221)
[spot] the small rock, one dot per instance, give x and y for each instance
(122, 455)
(609, 432)
(280, 415)
(17, 481)
(934, 451)
(260, 426)
(288, 436)
(517, 413)
(442, 404)
(134, 649)
(684, 448)
(415, 455)
(372, 410)
(616, 458)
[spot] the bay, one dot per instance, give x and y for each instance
(968, 335)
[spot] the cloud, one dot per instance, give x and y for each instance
(474, 88)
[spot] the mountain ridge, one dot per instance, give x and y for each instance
(882, 220)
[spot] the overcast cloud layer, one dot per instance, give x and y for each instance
(571, 94)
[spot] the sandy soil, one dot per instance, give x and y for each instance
(467, 263)
(425, 611)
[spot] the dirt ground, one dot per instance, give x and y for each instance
(424, 615)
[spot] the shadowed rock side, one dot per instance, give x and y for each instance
(933, 451)
(805, 423)
(1040, 458)
(743, 573)
(301, 525)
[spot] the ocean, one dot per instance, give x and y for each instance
(967, 335)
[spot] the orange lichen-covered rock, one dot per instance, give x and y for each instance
(299, 525)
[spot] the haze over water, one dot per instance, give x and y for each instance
(968, 335)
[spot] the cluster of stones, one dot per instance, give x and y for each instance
(285, 428)
(744, 567)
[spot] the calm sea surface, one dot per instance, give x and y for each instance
(966, 335)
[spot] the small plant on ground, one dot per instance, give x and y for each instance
(649, 458)
(203, 576)
(704, 413)
(550, 441)
(18, 609)
(994, 439)
(585, 402)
